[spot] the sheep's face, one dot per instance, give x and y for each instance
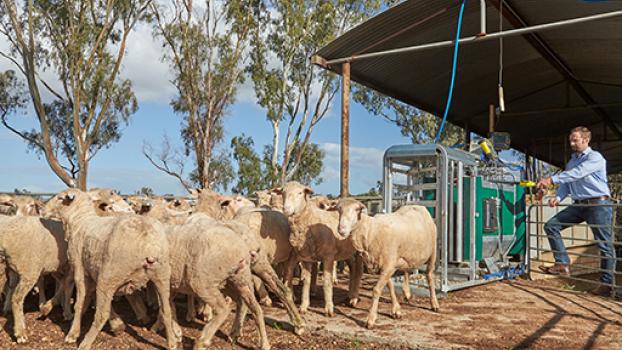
(179, 205)
(27, 206)
(57, 206)
(7, 205)
(295, 196)
(350, 212)
(325, 203)
(108, 202)
(139, 204)
(230, 205)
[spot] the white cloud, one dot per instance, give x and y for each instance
(365, 167)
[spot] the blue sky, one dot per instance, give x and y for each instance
(124, 167)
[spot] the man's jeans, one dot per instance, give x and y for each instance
(599, 214)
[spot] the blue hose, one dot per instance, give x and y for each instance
(453, 73)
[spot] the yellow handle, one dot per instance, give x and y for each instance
(527, 183)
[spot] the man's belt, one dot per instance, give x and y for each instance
(590, 200)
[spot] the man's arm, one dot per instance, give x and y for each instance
(562, 192)
(594, 163)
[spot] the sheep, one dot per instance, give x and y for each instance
(314, 238)
(174, 212)
(29, 247)
(107, 202)
(403, 240)
(110, 254)
(269, 199)
(19, 205)
(206, 256)
(268, 232)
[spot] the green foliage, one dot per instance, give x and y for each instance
(287, 85)
(419, 126)
(145, 191)
(83, 43)
(256, 173)
(204, 47)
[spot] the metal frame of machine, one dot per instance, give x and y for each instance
(450, 167)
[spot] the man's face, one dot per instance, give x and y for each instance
(578, 143)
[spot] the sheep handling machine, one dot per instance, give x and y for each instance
(478, 205)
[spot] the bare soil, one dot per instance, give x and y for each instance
(519, 314)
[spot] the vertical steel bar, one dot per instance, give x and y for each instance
(450, 211)
(345, 129)
(472, 226)
(459, 211)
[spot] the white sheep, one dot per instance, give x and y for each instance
(314, 239)
(403, 240)
(117, 254)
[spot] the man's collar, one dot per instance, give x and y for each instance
(584, 153)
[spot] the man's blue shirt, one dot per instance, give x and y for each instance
(585, 176)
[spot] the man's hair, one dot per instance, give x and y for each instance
(585, 132)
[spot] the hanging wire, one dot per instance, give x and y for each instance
(453, 73)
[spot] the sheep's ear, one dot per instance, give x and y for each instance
(225, 202)
(68, 198)
(36, 208)
(103, 206)
(145, 208)
(308, 191)
(277, 190)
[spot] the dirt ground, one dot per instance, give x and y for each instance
(542, 314)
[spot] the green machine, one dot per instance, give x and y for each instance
(477, 203)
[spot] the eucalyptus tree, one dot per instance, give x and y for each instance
(79, 46)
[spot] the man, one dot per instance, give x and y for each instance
(585, 180)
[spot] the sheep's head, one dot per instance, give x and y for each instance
(179, 204)
(350, 211)
(295, 196)
(139, 204)
(27, 206)
(263, 198)
(57, 206)
(324, 203)
(230, 205)
(7, 205)
(108, 202)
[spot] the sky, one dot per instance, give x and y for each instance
(125, 168)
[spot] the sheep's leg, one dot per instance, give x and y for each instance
(406, 286)
(47, 307)
(314, 272)
(384, 278)
(190, 308)
(159, 324)
(102, 314)
(305, 274)
(356, 273)
(81, 295)
(432, 282)
(151, 297)
(219, 304)
(67, 286)
(117, 326)
(289, 270)
(264, 298)
(395, 309)
(10, 287)
(205, 311)
(163, 285)
(247, 295)
(335, 276)
(139, 308)
(272, 281)
(241, 310)
(41, 288)
(327, 279)
(25, 284)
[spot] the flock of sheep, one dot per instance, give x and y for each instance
(217, 251)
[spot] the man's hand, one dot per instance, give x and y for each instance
(553, 202)
(544, 183)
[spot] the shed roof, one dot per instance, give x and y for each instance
(553, 80)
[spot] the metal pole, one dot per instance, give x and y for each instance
(482, 17)
(491, 118)
(459, 212)
(472, 225)
(475, 38)
(345, 128)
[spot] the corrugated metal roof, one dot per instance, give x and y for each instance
(542, 103)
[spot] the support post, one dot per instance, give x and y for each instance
(491, 118)
(345, 129)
